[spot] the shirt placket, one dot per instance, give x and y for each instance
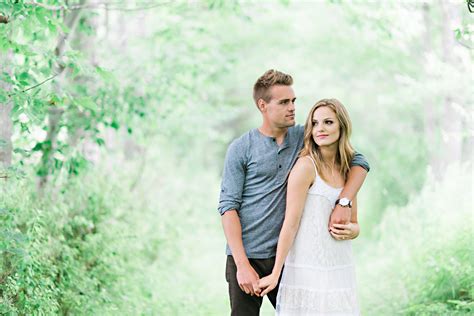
(281, 159)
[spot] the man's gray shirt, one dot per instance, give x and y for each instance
(254, 183)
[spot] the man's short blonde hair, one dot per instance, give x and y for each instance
(272, 77)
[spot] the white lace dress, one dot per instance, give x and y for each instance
(319, 274)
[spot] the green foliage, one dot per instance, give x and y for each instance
(421, 262)
(58, 255)
(43, 77)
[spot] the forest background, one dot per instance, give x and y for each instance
(115, 117)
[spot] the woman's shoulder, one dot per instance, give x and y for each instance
(303, 172)
(305, 164)
(306, 161)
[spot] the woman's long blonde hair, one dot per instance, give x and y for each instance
(345, 151)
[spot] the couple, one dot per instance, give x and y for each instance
(310, 212)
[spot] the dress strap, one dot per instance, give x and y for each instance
(314, 165)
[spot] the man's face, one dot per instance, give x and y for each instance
(280, 111)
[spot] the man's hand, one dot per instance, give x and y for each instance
(340, 215)
(267, 284)
(248, 279)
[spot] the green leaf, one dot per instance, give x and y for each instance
(5, 76)
(24, 128)
(87, 103)
(63, 27)
(75, 68)
(52, 27)
(106, 75)
(21, 151)
(40, 16)
(17, 251)
(3, 97)
(457, 34)
(39, 146)
(23, 76)
(5, 7)
(114, 124)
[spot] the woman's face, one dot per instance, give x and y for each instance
(326, 128)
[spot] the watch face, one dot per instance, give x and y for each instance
(344, 201)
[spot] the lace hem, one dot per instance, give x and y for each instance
(299, 301)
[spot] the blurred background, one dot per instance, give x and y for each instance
(115, 117)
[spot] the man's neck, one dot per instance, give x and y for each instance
(276, 132)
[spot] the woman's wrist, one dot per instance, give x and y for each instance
(276, 274)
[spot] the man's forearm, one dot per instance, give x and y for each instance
(354, 182)
(233, 234)
(355, 179)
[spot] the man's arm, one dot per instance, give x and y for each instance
(359, 169)
(347, 231)
(233, 179)
(246, 275)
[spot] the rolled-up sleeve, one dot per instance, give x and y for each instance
(233, 177)
(359, 160)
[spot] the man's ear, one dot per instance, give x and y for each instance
(262, 105)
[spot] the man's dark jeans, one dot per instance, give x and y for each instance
(243, 304)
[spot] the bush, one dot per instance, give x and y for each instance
(421, 262)
(56, 255)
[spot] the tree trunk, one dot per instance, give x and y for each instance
(6, 125)
(87, 45)
(442, 122)
(429, 104)
(55, 111)
(54, 117)
(451, 119)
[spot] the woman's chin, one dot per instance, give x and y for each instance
(325, 144)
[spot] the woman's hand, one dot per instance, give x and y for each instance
(344, 231)
(267, 284)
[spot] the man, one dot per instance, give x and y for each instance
(253, 191)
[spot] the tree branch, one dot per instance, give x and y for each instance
(35, 86)
(39, 84)
(150, 6)
(463, 44)
(99, 5)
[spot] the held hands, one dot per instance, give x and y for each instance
(267, 284)
(250, 283)
(248, 279)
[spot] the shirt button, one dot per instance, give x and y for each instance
(279, 166)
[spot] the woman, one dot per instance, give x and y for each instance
(319, 274)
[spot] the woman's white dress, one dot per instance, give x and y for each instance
(319, 274)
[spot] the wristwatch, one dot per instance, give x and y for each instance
(344, 202)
